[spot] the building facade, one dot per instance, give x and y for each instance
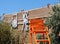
(32, 14)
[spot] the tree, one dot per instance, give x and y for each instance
(54, 23)
(5, 35)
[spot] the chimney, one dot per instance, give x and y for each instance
(3, 14)
(22, 11)
(50, 8)
(48, 5)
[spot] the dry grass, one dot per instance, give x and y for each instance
(20, 37)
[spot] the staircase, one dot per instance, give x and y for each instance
(37, 27)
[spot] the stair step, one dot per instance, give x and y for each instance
(42, 40)
(42, 31)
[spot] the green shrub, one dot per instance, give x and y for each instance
(5, 35)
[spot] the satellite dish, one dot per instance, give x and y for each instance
(14, 23)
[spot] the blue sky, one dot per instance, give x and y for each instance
(13, 6)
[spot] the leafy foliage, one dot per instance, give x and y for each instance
(5, 35)
(54, 23)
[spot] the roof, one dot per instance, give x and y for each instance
(37, 13)
(32, 14)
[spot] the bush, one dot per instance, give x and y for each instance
(54, 23)
(5, 35)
